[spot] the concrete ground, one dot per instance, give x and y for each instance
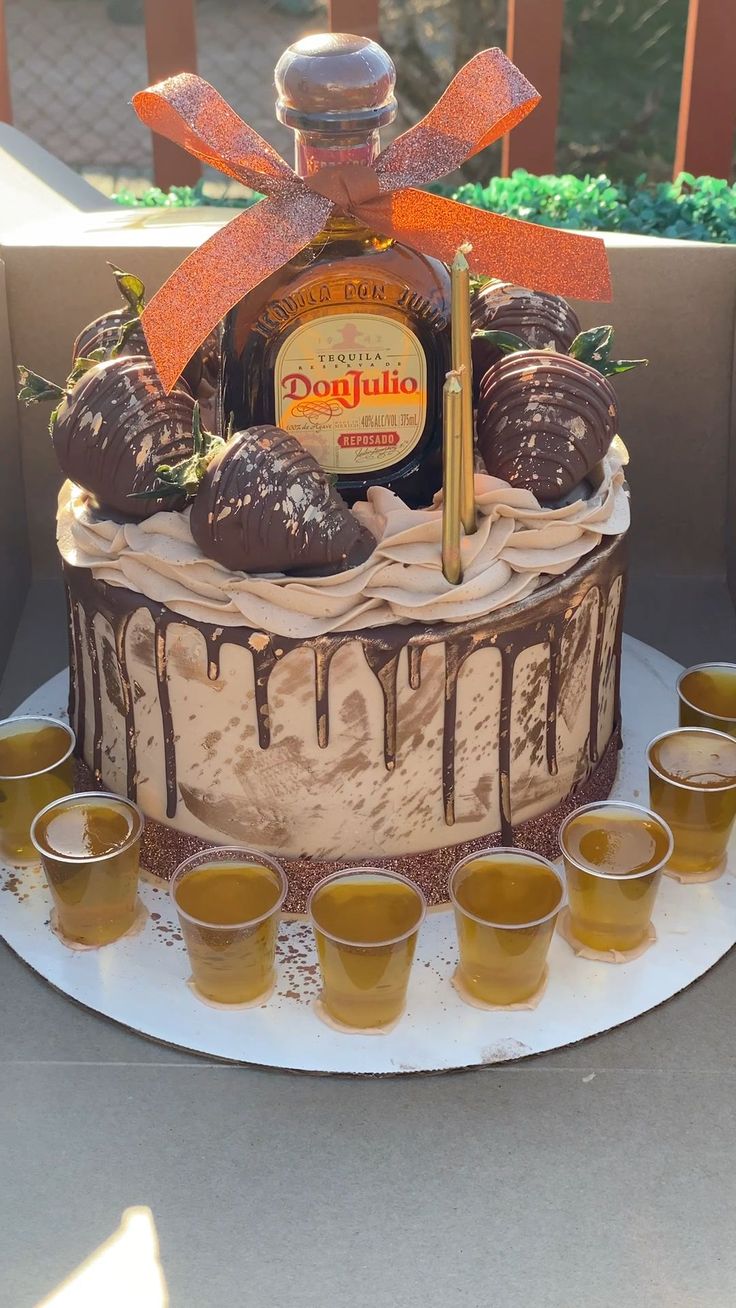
(596, 1176)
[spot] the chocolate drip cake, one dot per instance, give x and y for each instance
(406, 745)
(256, 663)
(376, 714)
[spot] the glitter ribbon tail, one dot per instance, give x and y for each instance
(220, 272)
(549, 259)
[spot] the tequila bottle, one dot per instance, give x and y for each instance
(347, 346)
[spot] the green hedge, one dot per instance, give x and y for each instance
(692, 208)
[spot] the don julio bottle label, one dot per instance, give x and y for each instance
(353, 389)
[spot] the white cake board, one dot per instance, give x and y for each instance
(140, 981)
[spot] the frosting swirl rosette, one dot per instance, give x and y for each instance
(519, 544)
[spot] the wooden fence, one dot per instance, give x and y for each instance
(707, 120)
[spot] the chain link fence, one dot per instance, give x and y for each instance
(72, 72)
(76, 63)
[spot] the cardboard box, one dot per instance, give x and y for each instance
(675, 302)
(15, 564)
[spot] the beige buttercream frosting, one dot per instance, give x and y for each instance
(519, 544)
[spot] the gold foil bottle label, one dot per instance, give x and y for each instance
(353, 389)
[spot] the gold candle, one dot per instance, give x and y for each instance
(462, 363)
(452, 471)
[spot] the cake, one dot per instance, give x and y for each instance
(375, 714)
(254, 662)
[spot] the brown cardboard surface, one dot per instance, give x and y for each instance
(731, 489)
(14, 553)
(674, 302)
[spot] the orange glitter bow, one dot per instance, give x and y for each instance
(486, 99)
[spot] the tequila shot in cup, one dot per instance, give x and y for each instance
(36, 767)
(506, 903)
(614, 854)
(228, 900)
(365, 922)
(692, 785)
(90, 848)
(707, 695)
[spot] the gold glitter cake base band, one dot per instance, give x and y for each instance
(164, 848)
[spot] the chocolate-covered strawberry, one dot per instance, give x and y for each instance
(120, 331)
(545, 420)
(112, 428)
(202, 375)
(265, 505)
(543, 321)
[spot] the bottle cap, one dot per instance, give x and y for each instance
(335, 81)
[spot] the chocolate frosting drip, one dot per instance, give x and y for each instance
(213, 641)
(94, 662)
(600, 627)
(384, 663)
(120, 631)
(553, 693)
(623, 582)
(455, 654)
(115, 429)
(508, 659)
(265, 505)
(324, 651)
(544, 422)
(507, 631)
(415, 666)
(545, 322)
(264, 662)
(76, 678)
(163, 622)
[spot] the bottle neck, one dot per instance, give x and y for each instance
(315, 150)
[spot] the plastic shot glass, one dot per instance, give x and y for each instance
(36, 767)
(90, 852)
(228, 900)
(707, 695)
(366, 922)
(506, 903)
(692, 785)
(614, 854)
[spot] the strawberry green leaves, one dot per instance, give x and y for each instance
(186, 477)
(594, 348)
(131, 288)
(508, 342)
